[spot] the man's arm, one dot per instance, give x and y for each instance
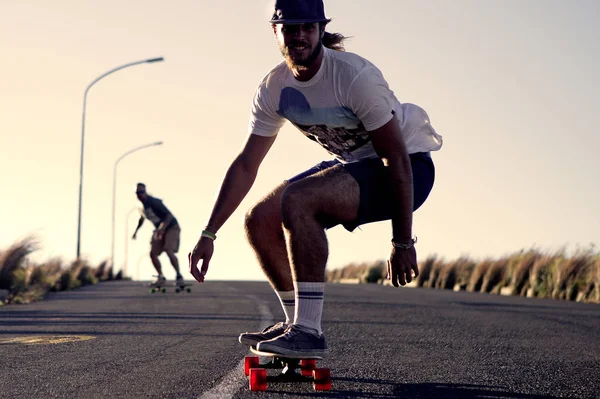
(140, 223)
(165, 222)
(237, 182)
(239, 179)
(389, 145)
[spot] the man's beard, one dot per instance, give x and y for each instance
(303, 64)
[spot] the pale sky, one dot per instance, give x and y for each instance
(512, 86)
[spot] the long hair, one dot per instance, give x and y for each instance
(334, 41)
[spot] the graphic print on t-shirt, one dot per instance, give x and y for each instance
(337, 129)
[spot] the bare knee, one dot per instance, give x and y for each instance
(251, 219)
(263, 218)
(295, 205)
(255, 219)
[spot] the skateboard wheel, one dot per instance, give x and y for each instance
(250, 362)
(188, 290)
(322, 379)
(163, 290)
(258, 379)
(177, 290)
(307, 366)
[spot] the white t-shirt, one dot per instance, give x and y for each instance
(347, 98)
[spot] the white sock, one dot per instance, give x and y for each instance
(309, 304)
(288, 303)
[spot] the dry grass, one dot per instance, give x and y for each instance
(520, 274)
(353, 271)
(46, 274)
(495, 276)
(14, 258)
(573, 275)
(478, 274)
(540, 276)
(27, 282)
(595, 293)
(434, 273)
(453, 274)
(446, 276)
(526, 273)
(375, 273)
(425, 269)
(464, 268)
(449, 273)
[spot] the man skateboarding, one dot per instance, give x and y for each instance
(165, 237)
(382, 170)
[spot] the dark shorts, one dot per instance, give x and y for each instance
(170, 241)
(376, 203)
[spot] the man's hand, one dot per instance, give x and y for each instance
(401, 264)
(158, 234)
(202, 251)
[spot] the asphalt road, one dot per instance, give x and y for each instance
(384, 343)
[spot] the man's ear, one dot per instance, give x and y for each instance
(274, 30)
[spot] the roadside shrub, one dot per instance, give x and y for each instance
(479, 271)
(520, 275)
(541, 276)
(46, 274)
(68, 281)
(425, 269)
(12, 259)
(464, 270)
(573, 274)
(455, 274)
(529, 273)
(446, 276)
(494, 276)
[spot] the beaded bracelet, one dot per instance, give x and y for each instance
(407, 245)
(209, 234)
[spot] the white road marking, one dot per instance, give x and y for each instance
(232, 382)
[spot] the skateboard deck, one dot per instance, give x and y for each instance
(183, 287)
(292, 369)
(178, 288)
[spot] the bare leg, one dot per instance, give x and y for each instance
(309, 206)
(265, 233)
(174, 260)
(156, 263)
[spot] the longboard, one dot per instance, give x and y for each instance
(178, 288)
(257, 372)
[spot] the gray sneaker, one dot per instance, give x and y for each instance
(253, 338)
(160, 281)
(296, 342)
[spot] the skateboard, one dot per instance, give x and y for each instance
(162, 288)
(178, 288)
(307, 366)
(183, 287)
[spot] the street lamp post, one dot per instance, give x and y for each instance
(150, 60)
(112, 247)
